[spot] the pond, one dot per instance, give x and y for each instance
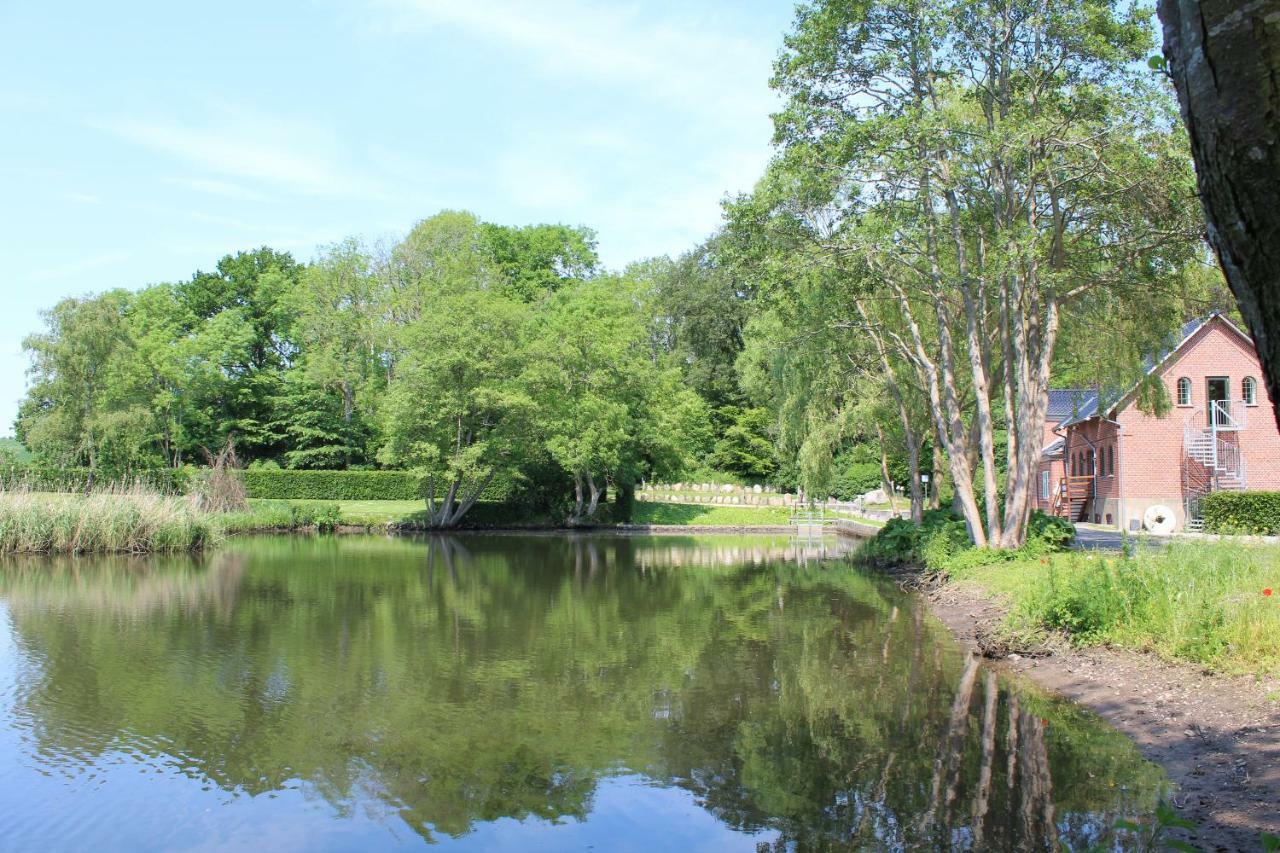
(487, 692)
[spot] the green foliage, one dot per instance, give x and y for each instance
(283, 484)
(745, 448)
(12, 453)
(1241, 512)
(941, 543)
(40, 477)
(851, 479)
(1050, 531)
(538, 259)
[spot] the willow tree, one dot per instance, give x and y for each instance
(992, 165)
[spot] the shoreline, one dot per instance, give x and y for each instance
(1217, 737)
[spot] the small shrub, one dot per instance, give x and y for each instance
(323, 517)
(1048, 533)
(220, 488)
(1241, 512)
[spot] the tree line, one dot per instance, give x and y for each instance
(467, 351)
(969, 203)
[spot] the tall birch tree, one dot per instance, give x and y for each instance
(990, 164)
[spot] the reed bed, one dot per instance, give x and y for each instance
(114, 520)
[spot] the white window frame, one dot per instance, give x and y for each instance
(1184, 384)
(1249, 391)
(1044, 485)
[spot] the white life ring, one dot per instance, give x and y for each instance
(1159, 519)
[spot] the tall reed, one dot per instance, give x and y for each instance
(115, 519)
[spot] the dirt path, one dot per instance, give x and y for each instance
(1217, 737)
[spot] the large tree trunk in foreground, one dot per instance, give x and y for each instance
(1224, 56)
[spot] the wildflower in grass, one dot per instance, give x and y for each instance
(1267, 592)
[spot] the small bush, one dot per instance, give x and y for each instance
(1048, 533)
(1241, 512)
(941, 542)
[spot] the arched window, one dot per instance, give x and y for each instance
(1111, 461)
(1249, 387)
(1184, 391)
(1089, 466)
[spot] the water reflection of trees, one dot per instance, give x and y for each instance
(471, 678)
(120, 585)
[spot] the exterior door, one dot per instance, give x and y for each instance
(1218, 393)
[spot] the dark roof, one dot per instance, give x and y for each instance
(1150, 365)
(1053, 449)
(1066, 402)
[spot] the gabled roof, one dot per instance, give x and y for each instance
(1053, 449)
(1151, 365)
(1069, 402)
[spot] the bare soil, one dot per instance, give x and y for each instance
(1217, 737)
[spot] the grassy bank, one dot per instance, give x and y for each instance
(122, 521)
(1201, 602)
(289, 514)
(139, 521)
(1212, 603)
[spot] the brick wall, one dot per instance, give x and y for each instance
(1149, 463)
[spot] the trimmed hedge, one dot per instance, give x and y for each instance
(43, 478)
(1241, 512)
(267, 483)
(284, 484)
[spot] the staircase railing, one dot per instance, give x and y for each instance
(1228, 415)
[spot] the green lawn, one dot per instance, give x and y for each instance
(719, 516)
(364, 512)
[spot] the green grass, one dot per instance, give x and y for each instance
(1198, 602)
(131, 521)
(283, 514)
(717, 516)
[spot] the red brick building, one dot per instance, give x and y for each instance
(1110, 463)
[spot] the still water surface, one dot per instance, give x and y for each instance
(522, 693)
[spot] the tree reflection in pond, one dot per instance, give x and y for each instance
(445, 684)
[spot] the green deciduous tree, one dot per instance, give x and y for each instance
(987, 168)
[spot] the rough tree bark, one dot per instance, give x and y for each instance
(1224, 57)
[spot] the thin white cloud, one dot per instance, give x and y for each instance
(300, 159)
(678, 61)
(224, 189)
(685, 123)
(81, 266)
(82, 198)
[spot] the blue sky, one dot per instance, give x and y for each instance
(144, 140)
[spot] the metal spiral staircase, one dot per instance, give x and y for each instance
(1211, 443)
